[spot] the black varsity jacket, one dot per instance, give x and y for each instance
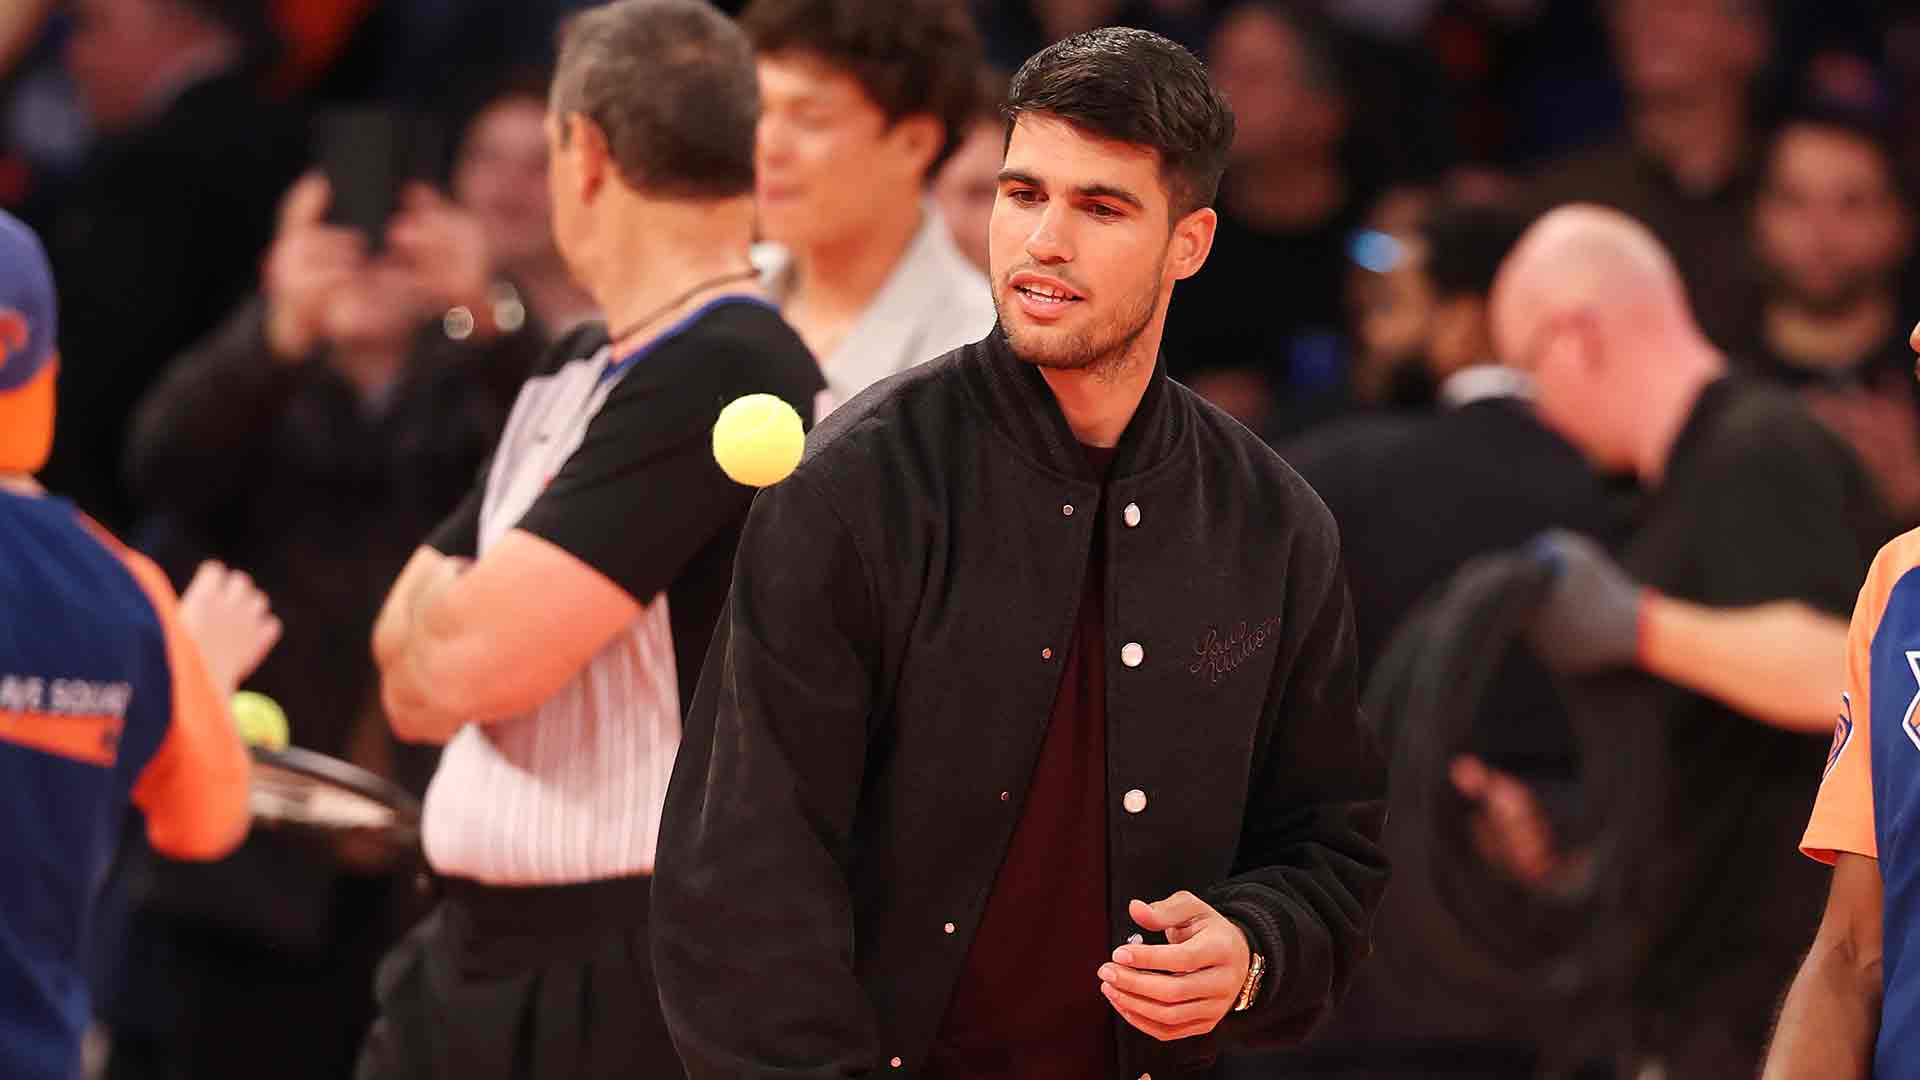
(883, 672)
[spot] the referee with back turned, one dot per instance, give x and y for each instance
(551, 629)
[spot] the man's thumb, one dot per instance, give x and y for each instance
(1175, 910)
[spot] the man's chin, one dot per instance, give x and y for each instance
(1046, 348)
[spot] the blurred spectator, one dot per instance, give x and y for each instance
(970, 180)
(1390, 300)
(1833, 229)
(1480, 474)
(314, 440)
(1686, 167)
(861, 103)
(1752, 502)
(161, 233)
(1016, 29)
(1260, 330)
(500, 177)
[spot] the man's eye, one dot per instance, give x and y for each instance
(1023, 196)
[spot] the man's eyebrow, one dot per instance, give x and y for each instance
(1108, 191)
(1089, 191)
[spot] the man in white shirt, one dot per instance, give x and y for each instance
(861, 103)
(549, 631)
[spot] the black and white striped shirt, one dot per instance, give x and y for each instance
(609, 458)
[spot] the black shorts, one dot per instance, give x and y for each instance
(522, 984)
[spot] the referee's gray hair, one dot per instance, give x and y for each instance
(673, 87)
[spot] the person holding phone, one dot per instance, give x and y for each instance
(314, 440)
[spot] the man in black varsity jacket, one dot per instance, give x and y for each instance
(1028, 744)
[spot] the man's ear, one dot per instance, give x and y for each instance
(1192, 241)
(919, 138)
(594, 155)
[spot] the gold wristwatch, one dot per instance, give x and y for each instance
(1256, 968)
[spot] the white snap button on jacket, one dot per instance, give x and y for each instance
(1067, 510)
(895, 1063)
(948, 928)
(1135, 801)
(1131, 515)
(1132, 655)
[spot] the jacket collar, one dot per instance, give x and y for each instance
(1022, 407)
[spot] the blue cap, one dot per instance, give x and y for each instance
(27, 320)
(27, 331)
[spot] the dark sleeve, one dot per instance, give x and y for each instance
(201, 430)
(1783, 518)
(643, 494)
(1310, 869)
(753, 929)
(459, 534)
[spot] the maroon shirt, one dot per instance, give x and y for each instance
(1028, 1002)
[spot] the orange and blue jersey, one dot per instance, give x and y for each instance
(103, 701)
(1869, 802)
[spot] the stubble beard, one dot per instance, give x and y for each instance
(1102, 351)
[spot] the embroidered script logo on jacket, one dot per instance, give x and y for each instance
(1216, 655)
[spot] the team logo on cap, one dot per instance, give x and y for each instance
(14, 334)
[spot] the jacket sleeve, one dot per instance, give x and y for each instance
(1310, 869)
(193, 436)
(753, 926)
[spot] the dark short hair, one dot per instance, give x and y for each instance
(910, 57)
(1136, 87)
(671, 83)
(1867, 127)
(1466, 243)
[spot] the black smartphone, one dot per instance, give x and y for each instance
(369, 154)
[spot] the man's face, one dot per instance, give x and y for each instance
(1395, 308)
(1079, 244)
(1684, 48)
(1829, 226)
(824, 152)
(1576, 391)
(967, 186)
(501, 177)
(110, 57)
(380, 307)
(1259, 63)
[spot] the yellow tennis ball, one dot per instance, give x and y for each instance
(758, 440)
(260, 720)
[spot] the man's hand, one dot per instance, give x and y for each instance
(1511, 831)
(229, 618)
(1185, 987)
(309, 261)
(412, 716)
(1591, 620)
(444, 247)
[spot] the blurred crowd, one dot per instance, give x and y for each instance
(305, 260)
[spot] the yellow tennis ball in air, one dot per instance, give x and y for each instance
(260, 720)
(758, 440)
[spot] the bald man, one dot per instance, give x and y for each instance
(1752, 506)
